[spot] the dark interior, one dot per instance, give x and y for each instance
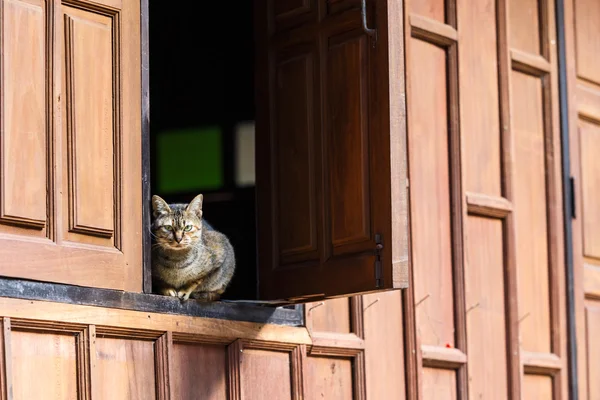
(201, 88)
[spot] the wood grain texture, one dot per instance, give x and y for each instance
(163, 363)
(255, 365)
(199, 371)
(48, 252)
(384, 358)
(341, 119)
(590, 173)
(525, 25)
(6, 375)
(486, 319)
(128, 365)
(328, 378)
(433, 9)
(479, 100)
(92, 124)
(537, 387)
(24, 105)
(442, 357)
(541, 363)
(587, 18)
(488, 206)
(531, 212)
(432, 31)
(592, 331)
(329, 316)
(439, 384)
(430, 173)
(33, 355)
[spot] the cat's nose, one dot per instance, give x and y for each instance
(178, 238)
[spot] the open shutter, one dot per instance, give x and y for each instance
(330, 137)
(70, 162)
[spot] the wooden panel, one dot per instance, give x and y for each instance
(430, 194)
(525, 25)
(537, 387)
(129, 367)
(294, 135)
(359, 157)
(590, 187)
(592, 333)
(332, 316)
(439, 384)
(258, 364)
(198, 371)
(100, 47)
(384, 330)
(434, 9)
(531, 212)
(479, 116)
(328, 378)
(44, 366)
(484, 295)
(23, 95)
(587, 17)
(347, 133)
(92, 124)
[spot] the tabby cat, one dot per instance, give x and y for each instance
(189, 258)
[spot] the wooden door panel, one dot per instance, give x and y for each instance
(590, 186)
(347, 132)
(71, 142)
(199, 372)
(44, 365)
(257, 364)
(24, 158)
(586, 17)
(592, 348)
(328, 378)
(92, 125)
(294, 108)
(129, 367)
(323, 169)
(531, 212)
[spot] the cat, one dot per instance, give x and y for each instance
(189, 257)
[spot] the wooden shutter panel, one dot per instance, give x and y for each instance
(70, 193)
(326, 151)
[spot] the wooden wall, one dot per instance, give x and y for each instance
(487, 296)
(583, 48)
(351, 348)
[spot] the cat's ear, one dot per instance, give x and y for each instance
(159, 206)
(195, 206)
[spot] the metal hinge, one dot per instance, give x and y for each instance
(378, 266)
(572, 190)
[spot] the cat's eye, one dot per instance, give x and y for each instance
(187, 228)
(168, 227)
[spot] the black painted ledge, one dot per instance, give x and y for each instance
(107, 298)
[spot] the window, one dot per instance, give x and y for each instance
(283, 123)
(290, 122)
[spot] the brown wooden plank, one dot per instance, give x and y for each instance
(255, 365)
(488, 206)
(486, 318)
(128, 365)
(33, 355)
(198, 371)
(203, 329)
(442, 357)
(439, 384)
(328, 378)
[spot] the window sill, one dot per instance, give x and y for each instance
(61, 293)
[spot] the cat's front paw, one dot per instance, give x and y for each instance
(184, 294)
(170, 292)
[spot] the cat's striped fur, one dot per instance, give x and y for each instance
(189, 258)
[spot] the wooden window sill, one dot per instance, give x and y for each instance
(107, 298)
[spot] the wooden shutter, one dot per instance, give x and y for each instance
(70, 193)
(331, 176)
